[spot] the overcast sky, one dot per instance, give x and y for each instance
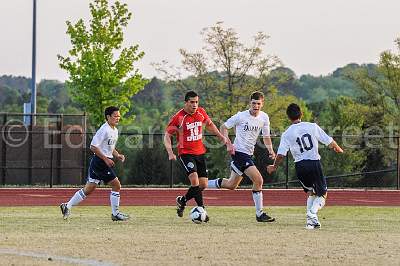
(310, 36)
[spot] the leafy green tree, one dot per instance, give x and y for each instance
(97, 77)
(380, 87)
(221, 71)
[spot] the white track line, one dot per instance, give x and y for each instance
(55, 258)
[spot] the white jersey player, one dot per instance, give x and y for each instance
(302, 138)
(248, 126)
(102, 166)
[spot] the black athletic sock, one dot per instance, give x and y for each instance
(192, 191)
(198, 197)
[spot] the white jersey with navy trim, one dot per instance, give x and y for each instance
(105, 139)
(248, 129)
(302, 141)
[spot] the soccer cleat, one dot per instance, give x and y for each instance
(313, 222)
(313, 226)
(65, 211)
(119, 217)
(265, 218)
(180, 205)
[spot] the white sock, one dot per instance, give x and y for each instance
(213, 183)
(310, 200)
(318, 203)
(258, 202)
(114, 199)
(76, 198)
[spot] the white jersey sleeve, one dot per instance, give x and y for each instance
(284, 145)
(105, 139)
(232, 121)
(98, 138)
(322, 136)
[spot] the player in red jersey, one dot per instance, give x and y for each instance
(187, 126)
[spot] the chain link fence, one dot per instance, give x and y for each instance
(55, 152)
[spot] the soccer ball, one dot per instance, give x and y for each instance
(198, 215)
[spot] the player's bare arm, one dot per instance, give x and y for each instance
(268, 143)
(278, 160)
(118, 155)
(97, 151)
(229, 146)
(168, 146)
(333, 145)
(223, 136)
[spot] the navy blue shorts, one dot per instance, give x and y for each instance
(99, 171)
(194, 163)
(309, 172)
(240, 162)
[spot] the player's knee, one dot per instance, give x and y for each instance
(258, 182)
(88, 190)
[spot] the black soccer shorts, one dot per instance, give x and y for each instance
(309, 172)
(194, 163)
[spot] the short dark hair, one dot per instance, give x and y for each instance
(190, 94)
(109, 110)
(257, 95)
(293, 111)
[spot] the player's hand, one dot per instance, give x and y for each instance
(171, 157)
(272, 155)
(338, 149)
(230, 148)
(109, 162)
(271, 168)
(121, 157)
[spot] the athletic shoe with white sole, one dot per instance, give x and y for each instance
(119, 217)
(65, 211)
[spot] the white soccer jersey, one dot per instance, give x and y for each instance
(105, 139)
(248, 129)
(302, 141)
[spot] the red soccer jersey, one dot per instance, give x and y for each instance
(188, 130)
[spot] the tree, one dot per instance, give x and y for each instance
(221, 71)
(98, 78)
(381, 88)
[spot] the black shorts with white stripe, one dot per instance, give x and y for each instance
(309, 172)
(240, 162)
(193, 163)
(98, 170)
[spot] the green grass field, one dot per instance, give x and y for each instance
(155, 236)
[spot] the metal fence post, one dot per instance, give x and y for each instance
(287, 172)
(4, 151)
(84, 136)
(398, 162)
(51, 160)
(30, 151)
(171, 181)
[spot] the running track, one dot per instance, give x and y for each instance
(213, 197)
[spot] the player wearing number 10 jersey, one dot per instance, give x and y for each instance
(187, 126)
(302, 138)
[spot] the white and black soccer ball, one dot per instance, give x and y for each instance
(198, 215)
